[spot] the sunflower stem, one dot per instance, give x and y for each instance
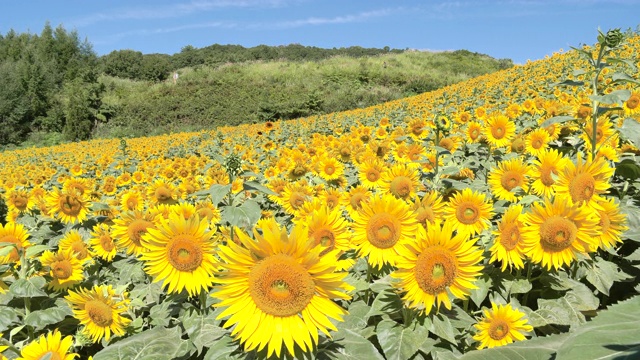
(526, 295)
(203, 301)
(465, 305)
(595, 103)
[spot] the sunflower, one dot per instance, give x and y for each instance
(19, 200)
(402, 181)
(331, 197)
(436, 265)
(509, 175)
(554, 233)
(537, 141)
(508, 247)
(132, 200)
(180, 253)
(381, 227)
(355, 198)
(129, 228)
(73, 240)
(68, 207)
(16, 234)
(632, 105)
(102, 242)
(500, 326)
(329, 168)
(99, 309)
(605, 132)
(328, 230)
(370, 173)
(499, 130)
(612, 223)
(430, 209)
(51, 346)
(65, 268)
(162, 192)
(546, 169)
(474, 131)
(276, 290)
(468, 212)
(294, 196)
(206, 210)
(584, 182)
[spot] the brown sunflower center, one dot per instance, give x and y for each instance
(605, 222)
(518, 145)
(184, 253)
(510, 236)
(511, 179)
(332, 201)
(61, 270)
(473, 134)
(13, 255)
(383, 230)
(100, 313)
(537, 144)
(132, 203)
(373, 175)
(633, 102)
(106, 242)
(436, 269)
(80, 248)
(582, 187)
(401, 186)
(70, 205)
(297, 199)
(498, 131)
(280, 286)
(498, 329)
(163, 194)
(20, 202)
(136, 229)
(557, 233)
(329, 170)
(356, 199)
(546, 175)
(447, 143)
(467, 213)
(299, 170)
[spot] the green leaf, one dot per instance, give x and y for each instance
(225, 348)
(628, 169)
(569, 83)
(622, 77)
(243, 216)
(35, 250)
(517, 286)
(217, 192)
(603, 274)
(41, 318)
(7, 249)
(357, 317)
(399, 342)
(386, 302)
(615, 97)
(557, 120)
(203, 330)
(157, 343)
(631, 131)
(613, 334)
(160, 314)
(8, 316)
(541, 348)
(483, 283)
(559, 312)
(354, 346)
(31, 287)
(253, 185)
(441, 326)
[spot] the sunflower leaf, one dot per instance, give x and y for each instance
(253, 185)
(401, 342)
(557, 120)
(441, 326)
(203, 330)
(41, 318)
(28, 288)
(157, 343)
(243, 216)
(541, 348)
(354, 346)
(603, 274)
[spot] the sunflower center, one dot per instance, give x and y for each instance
(557, 233)
(536, 144)
(467, 213)
(498, 131)
(184, 253)
(474, 134)
(545, 175)
(80, 248)
(510, 236)
(498, 329)
(605, 221)
(100, 313)
(373, 175)
(52, 356)
(511, 179)
(356, 199)
(106, 242)
(633, 102)
(20, 202)
(323, 237)
(582, 187)
(446, 143)
(332, 201)
(299, 170)
(61, 270)
(383, 230)
(163, 194)
(297, 199)
(401, 186)
(13, 255)
(70, 205)
(425, 214)
(329, 170)
(132, 203)
(280, 286)
(436, 269)
(136, 229)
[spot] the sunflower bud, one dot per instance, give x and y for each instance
(233, 165)
(613, 38)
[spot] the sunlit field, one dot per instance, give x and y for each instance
(494, 218)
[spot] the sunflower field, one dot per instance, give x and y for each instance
(494, 218)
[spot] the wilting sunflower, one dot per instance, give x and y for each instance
(402, 181)
(52, 345)
(129, 228)
(468, 212)
(381, 227)
(102, 242)
(65, 269)
(68, 207)
(554, 233)
(16, 234)
(612, 223)
(436, 265)
(99, 309)
(509, 174)
(583, 183)
(180, 252)
(276, 290)
(430, 209)
(548, 165)
(508, 246)
(74, 241)
(500, 326)
(370, 173)
(499, 130)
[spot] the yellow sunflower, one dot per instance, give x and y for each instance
(16, 234)
(129, 228)
(328, 230)
(499, 130)
(500, 326)
(132, 200)
(74, 241)
(277, 291)
(583, 183)
(554, 233)
(294, 196)
(537, 141)
(19, 200)
(436, 265)
(468, 212)
(65, 269)
(180, 252)
(430, 209)
(402, 181)
(329, 168)
(381, 227)
(102, 242)
(509, 175)
(545, 169)
(612, 223)
(370, 173)
(508, 247)
(355, 198)
(474, 132)
(162, 192)
(206, 210)
(52, 345)
(68, 207)
(99, 309)
(632, 105)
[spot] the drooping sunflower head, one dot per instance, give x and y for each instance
(469, 212)
(162, 192)
(74, 241)
(537, 141)
(294, 196)
(132, 200)
(370, 173)
(501, 325)
(19, 200)
(17, 235)
(632, 105)
(612, 223)
(52, 345)
(402, 181)
(430, 209)
(355, 198)
(546, 170)
(328, 230)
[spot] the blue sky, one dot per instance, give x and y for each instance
(517, 29)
